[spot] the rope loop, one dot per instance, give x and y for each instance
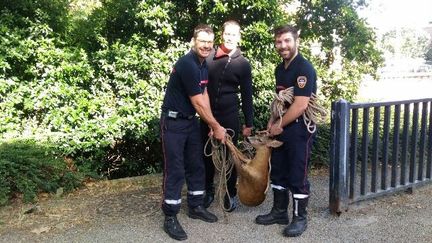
(223, 163)
(314, 113)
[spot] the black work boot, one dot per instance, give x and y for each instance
(173, 228)
(278, 213)
(209, 197)
(299, 222)
(200, 212)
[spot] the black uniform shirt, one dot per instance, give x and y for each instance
(300, 74)
(188, 78)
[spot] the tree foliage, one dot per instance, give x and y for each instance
(335, 24)
(406, 42)
(428, 54)
(90, 75)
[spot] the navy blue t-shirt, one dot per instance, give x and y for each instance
(300, 74)
(189, 77)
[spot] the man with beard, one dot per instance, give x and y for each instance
(289, 163)
(186, 95)
(229, 74)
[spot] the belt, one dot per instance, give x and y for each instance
(176, 114)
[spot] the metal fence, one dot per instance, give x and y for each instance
(378, 148)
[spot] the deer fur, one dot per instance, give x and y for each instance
(253, 174)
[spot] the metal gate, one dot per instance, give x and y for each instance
(378, 148)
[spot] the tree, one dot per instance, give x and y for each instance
(406, 42)
(336, 24)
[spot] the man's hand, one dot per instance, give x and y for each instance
(247, 131)
(219, 134)
(275, 129)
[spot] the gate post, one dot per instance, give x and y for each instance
(339, 146)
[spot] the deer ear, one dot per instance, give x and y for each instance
(255, 141)
(252, 139)
(274, 143)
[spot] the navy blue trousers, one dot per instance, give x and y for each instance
(182, 150)
(289, 162)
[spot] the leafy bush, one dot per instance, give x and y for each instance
(263, 85)
(321, 149)
(93, 77)
(28, 167)
(91, 105)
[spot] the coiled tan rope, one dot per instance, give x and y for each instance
(314, 114)
(224, 162)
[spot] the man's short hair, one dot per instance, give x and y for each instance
(202, 28)
(286, 29)
(230, 22)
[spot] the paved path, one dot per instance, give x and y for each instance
(399, 218)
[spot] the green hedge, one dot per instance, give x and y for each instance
(90, 106)
(28, 167)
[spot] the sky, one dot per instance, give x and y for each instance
(390, 14)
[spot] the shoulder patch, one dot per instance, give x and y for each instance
(301, 81)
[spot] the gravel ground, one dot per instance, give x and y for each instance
(130, 213)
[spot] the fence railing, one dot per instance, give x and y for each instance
(378, 148)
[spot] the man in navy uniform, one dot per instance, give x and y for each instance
(185, 96)
(289, 163)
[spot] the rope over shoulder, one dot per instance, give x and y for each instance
(314, 114)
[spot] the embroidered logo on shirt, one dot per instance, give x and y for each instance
(301, 81)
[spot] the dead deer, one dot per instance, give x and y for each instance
(253, 174)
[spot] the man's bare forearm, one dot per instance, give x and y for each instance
(296, 109)
(202, 107)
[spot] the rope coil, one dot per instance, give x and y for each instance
(224, 162)
(314, 113)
